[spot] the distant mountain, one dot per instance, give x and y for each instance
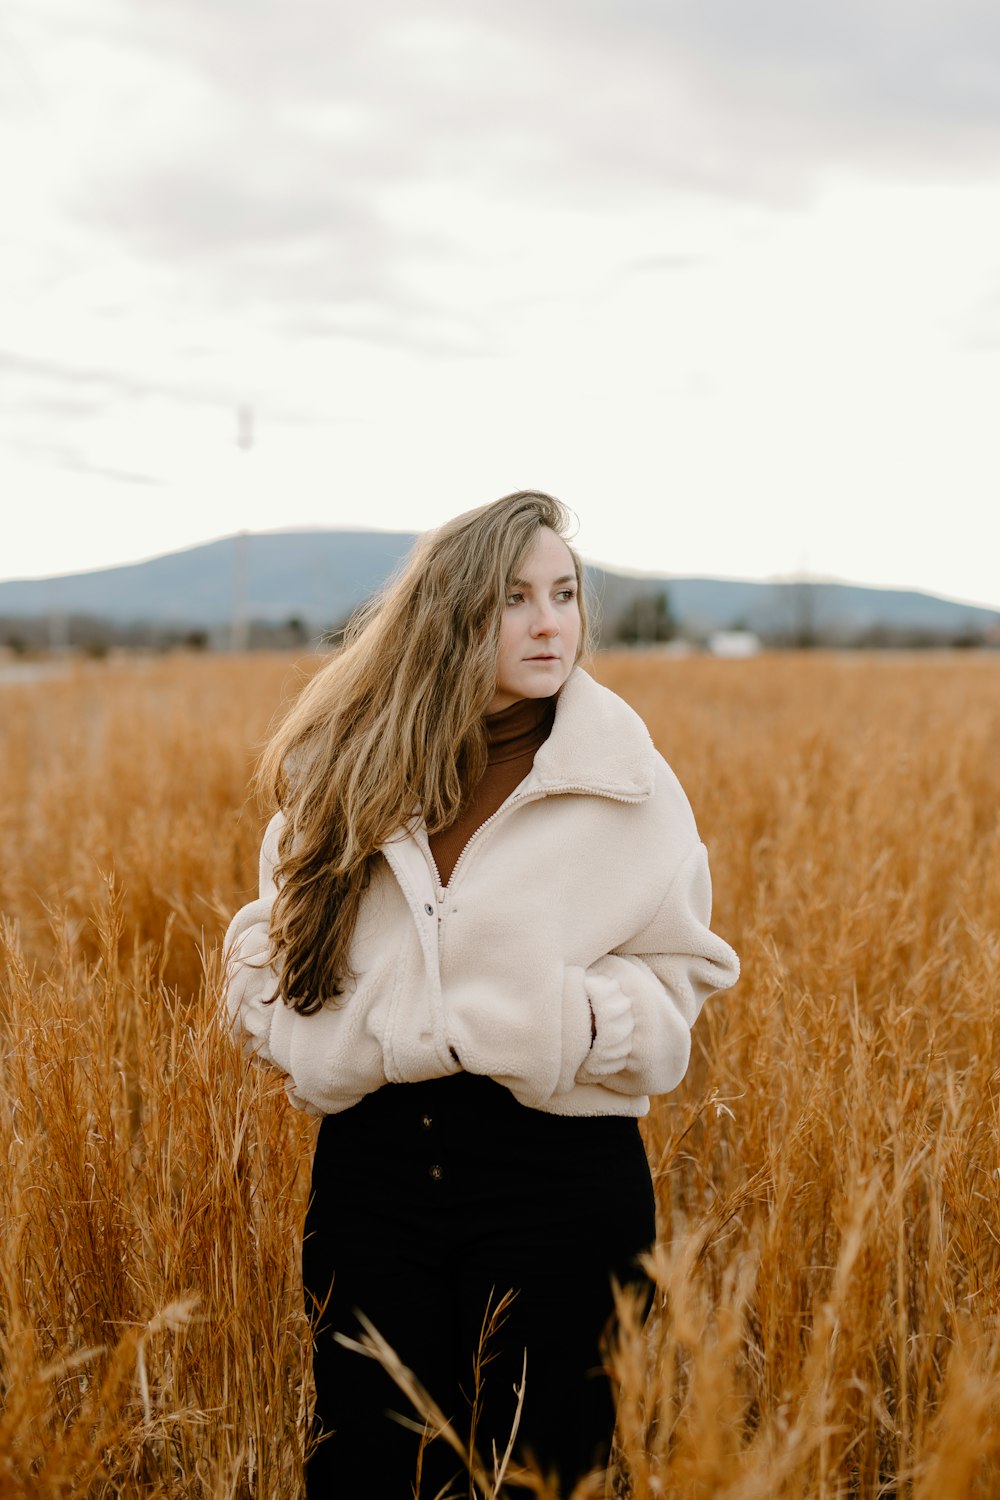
(320, 577)
(316, 576)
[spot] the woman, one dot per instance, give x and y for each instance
(480, 944)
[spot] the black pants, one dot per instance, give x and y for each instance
(430, 1202)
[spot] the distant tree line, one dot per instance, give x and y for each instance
(95, 636)
(646, 619)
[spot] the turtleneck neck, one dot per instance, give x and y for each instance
(513, 737)
(518, 729)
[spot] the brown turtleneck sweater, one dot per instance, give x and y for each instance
(513, 737)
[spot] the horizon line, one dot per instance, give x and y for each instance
(622, 570)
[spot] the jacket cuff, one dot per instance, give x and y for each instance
(615, 1024)
(298, 1101)
(249, 981)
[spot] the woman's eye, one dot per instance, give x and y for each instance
(566, 594)
(514, 598)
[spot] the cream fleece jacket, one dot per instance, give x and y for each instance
(588, 891)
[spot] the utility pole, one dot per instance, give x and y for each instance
(239, 634)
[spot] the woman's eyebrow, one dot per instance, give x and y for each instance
(522, 583)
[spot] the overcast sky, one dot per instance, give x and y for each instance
(723, 275)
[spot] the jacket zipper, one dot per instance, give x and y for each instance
(535, 796)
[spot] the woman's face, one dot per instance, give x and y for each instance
(540, 631)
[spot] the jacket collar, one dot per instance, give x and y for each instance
(598, 744)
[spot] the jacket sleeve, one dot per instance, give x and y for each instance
(274, 1031)
(647, 994)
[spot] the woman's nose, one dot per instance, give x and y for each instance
(545, 622)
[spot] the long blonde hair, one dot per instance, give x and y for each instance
(392, 727)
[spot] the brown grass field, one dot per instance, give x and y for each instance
(828, 1175)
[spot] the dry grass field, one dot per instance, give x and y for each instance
(828, 1175)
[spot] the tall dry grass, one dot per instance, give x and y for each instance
(828, 1176)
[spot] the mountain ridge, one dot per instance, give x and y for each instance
(320, 576)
